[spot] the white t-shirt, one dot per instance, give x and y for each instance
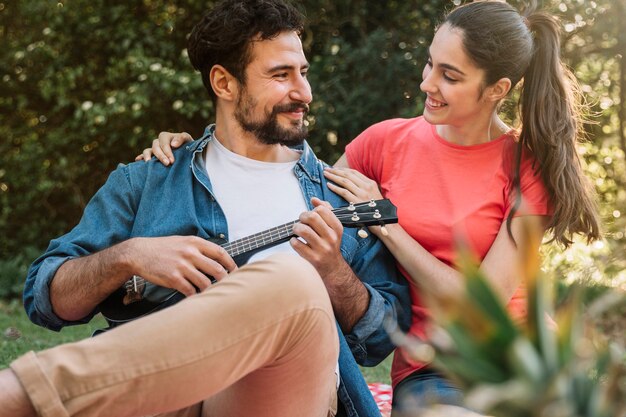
(270, 197)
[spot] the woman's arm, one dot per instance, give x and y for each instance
(501, 266)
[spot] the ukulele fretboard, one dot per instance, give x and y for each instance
(259, 240)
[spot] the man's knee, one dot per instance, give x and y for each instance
(287, 289)
(296, 274)
(290, 278)
(300, 289)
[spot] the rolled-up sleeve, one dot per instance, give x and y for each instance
(107, 220)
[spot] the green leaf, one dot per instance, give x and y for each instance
(483, 297)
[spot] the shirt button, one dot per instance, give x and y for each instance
(222, 235)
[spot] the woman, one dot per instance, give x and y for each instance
(459, 172)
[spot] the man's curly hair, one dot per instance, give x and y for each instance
(224, 34)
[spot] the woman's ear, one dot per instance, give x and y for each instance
(498, 90)
(223, 83)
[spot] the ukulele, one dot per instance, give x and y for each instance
(138, 297)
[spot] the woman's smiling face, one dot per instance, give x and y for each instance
(452, 82)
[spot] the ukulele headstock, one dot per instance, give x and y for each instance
(369, 213)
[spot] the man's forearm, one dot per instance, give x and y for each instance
(80, 284)
(349, 297)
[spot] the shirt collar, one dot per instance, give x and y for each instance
(308, 162)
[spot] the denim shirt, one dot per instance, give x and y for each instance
(149, 199)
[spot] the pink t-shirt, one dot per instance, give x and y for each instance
(444, 192)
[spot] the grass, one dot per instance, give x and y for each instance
(379, 373)
(33, 337)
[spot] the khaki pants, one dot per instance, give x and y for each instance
(262, 342)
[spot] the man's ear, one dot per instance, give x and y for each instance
(498, 90)
(224, 84)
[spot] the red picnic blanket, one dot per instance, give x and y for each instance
(382, 396)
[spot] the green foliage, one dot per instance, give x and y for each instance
(81, 85)
(12, 272)
(594, 47)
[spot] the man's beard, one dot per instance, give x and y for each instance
(268, 130)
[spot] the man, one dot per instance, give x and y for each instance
(262, 340)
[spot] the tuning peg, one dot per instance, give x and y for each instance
(362, 233)
(383, 230)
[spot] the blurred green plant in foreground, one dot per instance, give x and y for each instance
(555, 363)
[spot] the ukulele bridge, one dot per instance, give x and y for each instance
(134, 290)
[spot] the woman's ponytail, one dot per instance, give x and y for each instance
(551, 115)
